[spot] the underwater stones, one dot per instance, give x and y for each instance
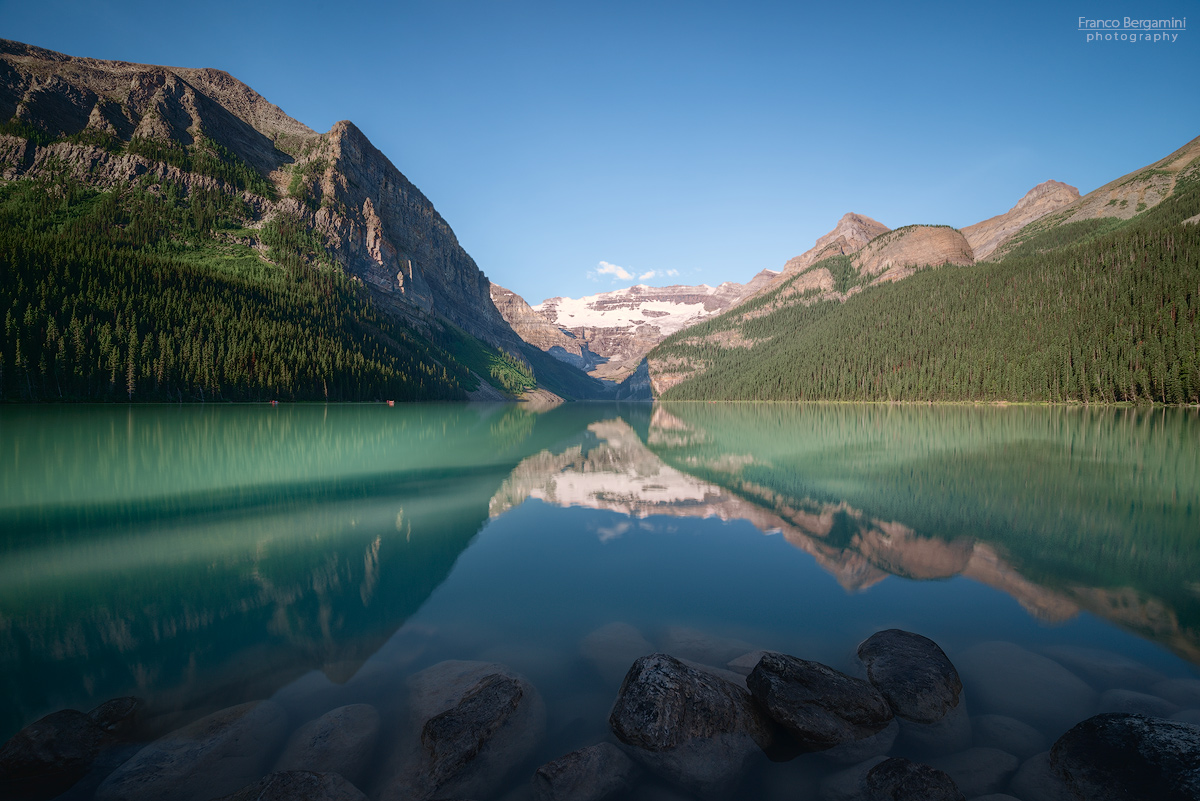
(589, 774)
(49, 755)
(1185, 692)
(700, 646)
(688, 726)
(209, 758)
(977, 771)
(1122, 756)
(612, 648)
(818, 705)
(1136, 703)
(745, 663)
(947, 736)
(1103, 669)
(299, 785)
(1008, 734)
(1006, 679)
(471, 725)
(849, 784)
(1035, 780)
(898, 779)
(340, 741)
(912, 673)
(857, 751)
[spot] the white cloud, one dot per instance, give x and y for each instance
(672, 272)
(618, 273)
(646, 276)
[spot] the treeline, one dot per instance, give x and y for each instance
(1091, 312)
(144, 294)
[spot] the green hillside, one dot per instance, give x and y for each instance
(1096, 311)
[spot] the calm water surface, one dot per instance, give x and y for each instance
(199, 557)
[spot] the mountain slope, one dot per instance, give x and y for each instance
(1045, 198)
(198, 142)
(1092, 310)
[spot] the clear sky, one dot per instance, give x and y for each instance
(712, 139)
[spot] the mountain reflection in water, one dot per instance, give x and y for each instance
(202, 556)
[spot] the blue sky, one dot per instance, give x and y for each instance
(712, 139)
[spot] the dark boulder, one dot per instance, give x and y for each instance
(818, 705)
(898, 779)
(912, 673)
(589, 774)
(1123, 756)
(299, 785)
(687, 725)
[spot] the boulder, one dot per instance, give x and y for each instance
(1035, 780)
(898, 779)
(1136, 703)
(1006, 679)
(209, 758)
(1008, 734)
(1103, 669)
(688, 726)
(49, 755)
(818, 705)
(118, 716)
(340, 741)
(1121, 756)
(1185, 692)
(299, 785)
(612, 648)
(977, 771)
(471, 726)
(589, 774)
(912, 673)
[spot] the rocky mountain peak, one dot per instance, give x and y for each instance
(1045, 198)
(850, 235)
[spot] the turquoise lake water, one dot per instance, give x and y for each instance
(202, 556)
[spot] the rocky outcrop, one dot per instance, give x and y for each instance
(540, 331)
(1117, 756)
(1045, 198)
(687, 725)
(850, 235)
(897, 254)
(818, 705)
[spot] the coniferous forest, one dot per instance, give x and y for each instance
(1099, 311)
(153, 292)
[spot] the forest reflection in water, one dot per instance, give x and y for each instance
(198, 557)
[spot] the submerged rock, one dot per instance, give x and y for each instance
(818, 705)
(472, 725)
(1008, 734)
(745, 663)
(589, 774)
(1006, 679)
(700, 646)
(912, 673)
(1037, 781)
(1103, 669)
(612, 648)
(1121, 756)
(857, 751)
(949, 735)
(977, 771)
(48, 756)
(1136, 703)
(340, 741)
(299, 785)
(898, 779)
(1185, 692)
(849, 784)
(210, 758)
(688, 726)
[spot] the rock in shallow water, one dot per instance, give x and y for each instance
(818, 705)
(589, 774)
(472, 724)
(1103, 669)
(898, 779)
(1008, 734)
(978, 770)
(1037, 781)
(1121, 756)
(210, 758)
(340, 741)
(48, 756)
(1136, 703)
(612, 648)
(1006, 679)
(299, 785)
(688, 726)
(912, 673)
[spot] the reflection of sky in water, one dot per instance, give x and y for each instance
(206, 556)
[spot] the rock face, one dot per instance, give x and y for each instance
(1045, 198)
(913, 674)
(819, 706)
(688, 726)
(1119, 756)
(373, 221)
(472, 724)
(212, 757)
(340, 741)
(293, 785)
(898, 253)
(540, 330)
(850, 235)
(898, 779)
(589, 774)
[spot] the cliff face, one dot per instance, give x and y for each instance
(897, 254)
(540, 331)
(372, 220)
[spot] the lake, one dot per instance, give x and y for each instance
(202, 556)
